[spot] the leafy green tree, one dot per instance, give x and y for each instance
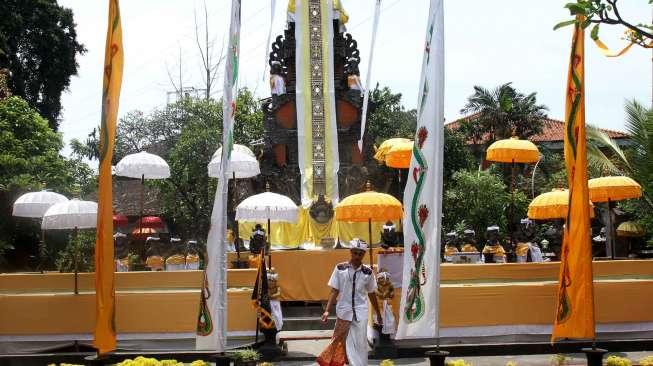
(457, 155)
(479, 199)
(498, 113)
(599, 12)
(389, 118)
(635, 161)
(30, 160)
(38, 44)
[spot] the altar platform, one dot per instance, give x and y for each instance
(159, 309)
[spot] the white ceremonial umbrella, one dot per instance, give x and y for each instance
(267, 206)
(34, 204)
(142, 166)
(73, 214)
(243, 163)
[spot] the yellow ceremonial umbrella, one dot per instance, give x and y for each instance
(369, 206)
(385, 147)
(606, 189)
(552, 205)
(399, 155)
(512, 150)
(630, 229)
(611, 189)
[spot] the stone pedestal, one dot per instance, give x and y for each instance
(437, 357)
(270, 350)
(384, 347)
(594, 356)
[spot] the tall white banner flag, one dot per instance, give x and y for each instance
(212, 320)
(423, 195)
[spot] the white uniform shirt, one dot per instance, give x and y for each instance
(352, 298)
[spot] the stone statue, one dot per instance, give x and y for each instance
(450, 245)
(153, 253)
(469, 241)
(257, 245)
(493, 251)
(277, 82)
(389, 235)
(121, 252)
(176, 261)
(192, 255)
(598, 244)
(527, 249)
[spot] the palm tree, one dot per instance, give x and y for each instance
(605, 156)
(502, 112)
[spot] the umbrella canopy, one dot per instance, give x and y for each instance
(150, 222)
(513, 150)
(369, 205)
(35, 204)
(630, 229)
(143, 165)
(243, 163)
(551, 205)
(267, 206)
(386, 145)
(399, 155)
(71, 214)
(120, 220)
(613, 189)
(144, 231)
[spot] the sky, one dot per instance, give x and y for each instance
(487, 43)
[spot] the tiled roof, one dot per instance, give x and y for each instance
(552, 130)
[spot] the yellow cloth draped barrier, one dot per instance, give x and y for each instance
(307, 230)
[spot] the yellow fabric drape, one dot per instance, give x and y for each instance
(337, 5)
(104, 337)
(574, 316)
(306, 230)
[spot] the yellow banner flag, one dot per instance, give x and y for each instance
(574, 316)
(105, 296)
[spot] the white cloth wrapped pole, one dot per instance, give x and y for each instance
(35, 204)
(143, 165)
(70, 214)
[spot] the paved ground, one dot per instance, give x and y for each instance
(309, 349)
(532, 360)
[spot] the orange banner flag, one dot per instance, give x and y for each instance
(574, 316)
(105, 296)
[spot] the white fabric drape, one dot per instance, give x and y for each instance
(368, 78)
(423, 195)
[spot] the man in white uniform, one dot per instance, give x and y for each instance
(352, 283)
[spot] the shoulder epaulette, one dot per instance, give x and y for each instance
(342, 266)
(367, 270)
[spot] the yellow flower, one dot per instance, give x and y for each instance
(617, 361)
(646, 361)
(387, 363)
(199, 363)
(458, 363)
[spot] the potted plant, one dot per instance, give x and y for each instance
(245, 357)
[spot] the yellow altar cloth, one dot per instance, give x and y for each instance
(307, 230)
